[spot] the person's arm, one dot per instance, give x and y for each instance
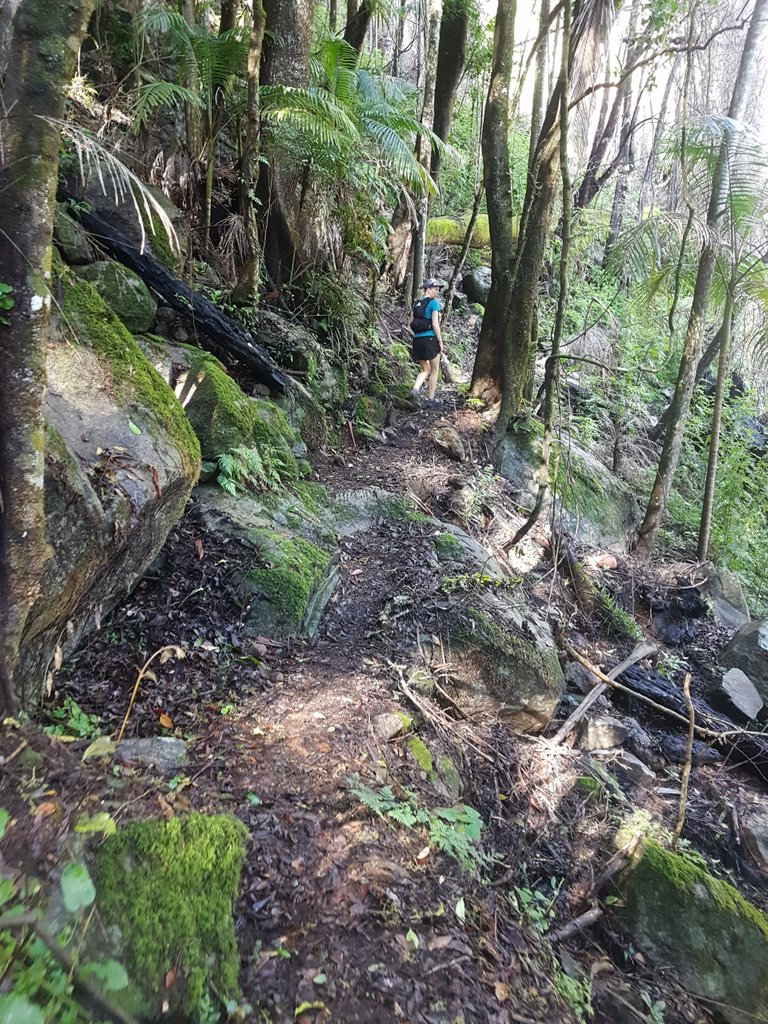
(436, 327)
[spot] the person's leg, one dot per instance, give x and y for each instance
(434, 369)
(424, 372)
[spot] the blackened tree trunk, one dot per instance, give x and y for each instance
(451, 59)
(358, 20)
(692, 346)
(486, 374)
(45, 39)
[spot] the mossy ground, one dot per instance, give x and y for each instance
(169, 886)
(89, 321)
(296, 568)
(448, 548)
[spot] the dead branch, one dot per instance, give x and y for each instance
(577, 924)
(686, 772)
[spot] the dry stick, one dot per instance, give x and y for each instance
(577, 924)
(640, 652)
(175, 651)
(438, 718)
(91, 995)
(686, 773)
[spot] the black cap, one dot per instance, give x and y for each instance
(431, 282)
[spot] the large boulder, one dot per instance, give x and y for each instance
(682, 916)
(121, 460)
(597, 507)
(748, 650)
(739, 697)
(70, 238)
(124, 292)
(725, 594)
(476, 285)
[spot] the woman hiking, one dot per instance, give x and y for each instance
(427, 341)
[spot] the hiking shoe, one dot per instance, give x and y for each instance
(415, 398)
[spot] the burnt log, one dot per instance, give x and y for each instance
(221, 332)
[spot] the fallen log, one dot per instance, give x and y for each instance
(221, 331)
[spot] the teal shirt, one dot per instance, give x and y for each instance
(433, 307)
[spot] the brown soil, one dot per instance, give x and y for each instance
(338, 909)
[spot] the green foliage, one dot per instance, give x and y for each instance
(243, 469)
(6, 302)
(456, 831)
(469, 581)
(576, 992)
(169, 886)
(69, 719)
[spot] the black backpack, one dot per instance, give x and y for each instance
(421, 322)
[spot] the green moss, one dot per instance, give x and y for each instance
(448, 548)
(615, 620)
(222, 416)
(450, 231)
(169, 887)
(89, 321)
(313, 496)
(297, 566)
(421, 755)
(158, 240)
(407, 720)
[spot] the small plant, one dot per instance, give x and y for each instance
(535, 906)
(656, 1008)
(476, 580)
(250, 469)
(456, 831)
(6, 302)
(69, 719)
(576, 992)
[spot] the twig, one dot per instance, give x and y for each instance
(176, 651)
(91, 995)
(640, 652)
(686, 772)
(577, 924)
(445, 967)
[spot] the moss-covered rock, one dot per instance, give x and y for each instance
(597, 506)
(124, 292)
(70, 238)
(504, 664)
(421, 754)
(167, 888)
(681, 915)
(451, 231)
(448, 548)
(121, 460)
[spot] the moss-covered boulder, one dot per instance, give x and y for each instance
(597, 507)
(70, 238)
(124, 292)
(121, 460)
(679, 914)
(503, 660)
(165, 892)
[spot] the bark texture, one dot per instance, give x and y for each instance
(423, 145)
(451, 59)
(44, 39)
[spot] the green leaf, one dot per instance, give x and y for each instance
(252, 799)
(412, 938)
(461, 910)
(110, 974)
(100, 822)
(7, 891)
(77, 889)
(133, 428)
(303, 1007)
(320, 978)
(18, 1010)
(101, 747)
(5, 817)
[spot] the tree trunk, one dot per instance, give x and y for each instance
(45, 39)
(486, 376)
(358, 20)
(423, 145)
(228, 18)
(333, 16)
(673, 439)
(657, 137)
(249, 168)
(451, 58)
(708, 503)
(537, 104)
(286, 45)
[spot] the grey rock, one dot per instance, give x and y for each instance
(449, 778)
(577, 676)
(681, 916)
(754, 832)
(749, 651)
(447, 438)
(637, 772)
(740, 697)
(724, 592)
(476, 285)
(601, 732)
(166, 753)
(124, 292)
(421, 681)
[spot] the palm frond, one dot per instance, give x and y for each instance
(156, 94)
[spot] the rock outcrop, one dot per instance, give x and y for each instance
(121, 460)
(748, 651)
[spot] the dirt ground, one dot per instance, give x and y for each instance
(342, 916)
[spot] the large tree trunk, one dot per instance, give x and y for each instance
(423, 147)
(249, 168)
(285, 61)
(451, 58)
(686, 378)
(486, 374)
(538, 102)
(45, 39)
(358, 20)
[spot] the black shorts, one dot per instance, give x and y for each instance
(425, 346)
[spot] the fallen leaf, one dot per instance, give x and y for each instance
(103, 746)
(170, 978)
(412, 938)
(320, 978)
(439, 942)
(303, 1007)
(133, 428)
(58, 657)
(461, 910)
(49, 684)
(199, 549)
(45, 810)
(165, 721)
(502, 991)
(422, 855)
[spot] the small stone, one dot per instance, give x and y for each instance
(166, 753)
(576, 675)
(449, 778)
(754, 832)
(389, 724)
(637, 772)
(601, 733)
(738, 694)
(421, 682)
(447, 438)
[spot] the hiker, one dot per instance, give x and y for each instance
(427, 340)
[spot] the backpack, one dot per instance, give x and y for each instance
(421, 322)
